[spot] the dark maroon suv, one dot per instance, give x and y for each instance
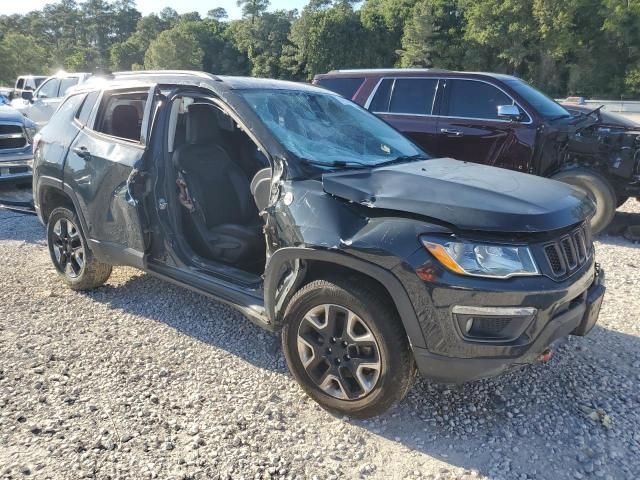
(501, 120)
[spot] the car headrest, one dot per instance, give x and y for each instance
(125, 122)
(260, 188)
(202, 124)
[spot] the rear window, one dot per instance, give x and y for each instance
(411, 96)
(120, 114)
(347, 87)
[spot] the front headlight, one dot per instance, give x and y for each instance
(482, 259)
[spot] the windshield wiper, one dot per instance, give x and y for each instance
(402, 159)
(338, 163)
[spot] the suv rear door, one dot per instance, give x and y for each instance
(469, 127)
(104, 170)
(410, 105)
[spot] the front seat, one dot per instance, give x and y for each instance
(224, 218)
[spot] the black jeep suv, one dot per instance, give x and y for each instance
(311, 215)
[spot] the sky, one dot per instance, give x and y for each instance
(148, 6)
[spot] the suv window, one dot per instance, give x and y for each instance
(66, 84)
(120, 114)
(20, 83)
(347, 87)
(474, 99)
(87, 107)
(405, 95)
(413, 95)
(49, 89)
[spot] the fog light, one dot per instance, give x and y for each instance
(492, 324)
(469, 325)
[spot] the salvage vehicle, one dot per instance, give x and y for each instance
(500, 120)
(40, 104)
(312, 216)
(16, 138)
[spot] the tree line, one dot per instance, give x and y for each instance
(565, 47)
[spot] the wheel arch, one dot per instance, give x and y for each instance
(291, 267)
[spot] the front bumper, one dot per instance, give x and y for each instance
(561, 309)
(16, 164)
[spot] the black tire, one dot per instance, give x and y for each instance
(396, 365)
(599, 190)
(71, 257)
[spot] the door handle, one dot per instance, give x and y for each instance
(82, 152)
(453, 133)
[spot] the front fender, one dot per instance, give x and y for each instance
(285, 271)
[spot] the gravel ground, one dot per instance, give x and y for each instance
(141, 379)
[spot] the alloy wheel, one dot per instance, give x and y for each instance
(68, 248)
(339, 352)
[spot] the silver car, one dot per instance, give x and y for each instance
(48, 96)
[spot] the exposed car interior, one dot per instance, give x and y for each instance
(221, 179)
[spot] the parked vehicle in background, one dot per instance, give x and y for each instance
(16, 138)
(40, 104)
(25, 86)
(501, 120)
(310, 215)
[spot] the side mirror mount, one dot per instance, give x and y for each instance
(509, 112)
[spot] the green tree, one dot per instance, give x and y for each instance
(217, 13)
(320, 38)
(253, 8)
(262, 41)
(21, 54)
(433, 36)
(174, 49)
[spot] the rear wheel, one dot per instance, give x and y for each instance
(70, 255)
(598, 189)
(347, 348)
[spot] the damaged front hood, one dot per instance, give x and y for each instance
(467, 195)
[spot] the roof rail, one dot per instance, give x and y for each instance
(195, 73)
(383, 70)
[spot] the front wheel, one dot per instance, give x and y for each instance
(598, 189)
(347, 347)
(70, 254)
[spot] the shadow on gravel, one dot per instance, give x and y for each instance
(18, 226)
(623, 230)
(195, 315)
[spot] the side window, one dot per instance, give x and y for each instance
(347, 87)
(20, 83)
(474, 99)
(66, 111)
(380, 100)
(413, 95)
(66, 84)
(84, 112)
(49, 89)
(120, 114)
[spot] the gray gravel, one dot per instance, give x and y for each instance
(141, 379)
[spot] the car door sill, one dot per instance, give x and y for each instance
(248, 301)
